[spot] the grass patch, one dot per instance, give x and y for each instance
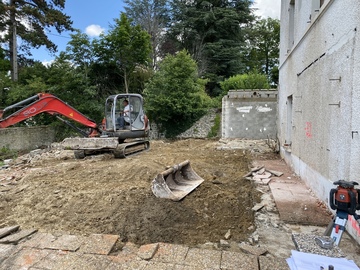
(215, 128)
(6, 153)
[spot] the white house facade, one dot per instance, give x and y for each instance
(319, 93)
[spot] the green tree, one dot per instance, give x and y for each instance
(29, 21)
(175, 96)
(80, 52)
(4, 63)
(69, 83)
(153, 16)
(214, 34)
(263, 50)
(4, 78)
(124, 48)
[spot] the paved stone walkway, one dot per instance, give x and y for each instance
(40, 251)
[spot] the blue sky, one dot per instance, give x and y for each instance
(94, 16)
(89, 16)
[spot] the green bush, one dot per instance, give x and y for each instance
(6, 153)
(252, 80)
(175, 95)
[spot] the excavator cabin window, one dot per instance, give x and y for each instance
(115, 106)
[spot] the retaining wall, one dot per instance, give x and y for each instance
(26, 138)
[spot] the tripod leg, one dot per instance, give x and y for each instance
(329, 227)
(338, 229)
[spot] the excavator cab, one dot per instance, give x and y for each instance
(136, 121)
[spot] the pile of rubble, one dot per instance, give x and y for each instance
(261, 175)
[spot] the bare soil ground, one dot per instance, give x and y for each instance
(52, 191)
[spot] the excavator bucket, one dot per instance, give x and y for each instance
(176, 182)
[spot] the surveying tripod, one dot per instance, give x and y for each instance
(345, 199)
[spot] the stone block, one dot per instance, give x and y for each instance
(170, 253)
(146, 252)
(99, 244)
(238, 261)
(203, 258)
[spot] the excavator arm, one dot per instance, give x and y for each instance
(48, 103)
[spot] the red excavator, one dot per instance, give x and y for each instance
(107, 137)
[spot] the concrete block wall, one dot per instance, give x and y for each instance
(249, 114)
(26, 138)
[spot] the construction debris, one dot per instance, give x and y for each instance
(18, 236)
(307, 243)
(8, 230)
(262, 175)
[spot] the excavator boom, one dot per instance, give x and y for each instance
(41, 103)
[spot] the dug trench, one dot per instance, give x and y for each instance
(52, 191)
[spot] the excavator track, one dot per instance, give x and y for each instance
(131, 148)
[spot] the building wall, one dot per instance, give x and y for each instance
(249, 114)
(26, 138)
(319, 91)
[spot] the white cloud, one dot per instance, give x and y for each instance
(47, 63)
(94, 30)
(268, 8)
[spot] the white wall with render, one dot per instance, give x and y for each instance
(319, 92)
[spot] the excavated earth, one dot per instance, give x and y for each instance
(52, 191)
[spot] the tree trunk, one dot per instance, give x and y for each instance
(13, 43)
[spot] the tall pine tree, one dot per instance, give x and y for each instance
(30, 20)
(153, 16)
(214, 32)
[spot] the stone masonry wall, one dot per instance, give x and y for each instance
(26, 138)
(200, 129)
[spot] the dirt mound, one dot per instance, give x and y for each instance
(100, 194)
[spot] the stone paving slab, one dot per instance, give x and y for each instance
(51, 260)
(271, 263)
(101, 244)
(159, 266)
(146, 252)
(126, 255)
(170, 253)
(8, 230)
(63, 242)
(191, 267)
(296, 204)
(16, 237)
(203, 258)
(6, 251)
(238, 261)
(79, 261)
(24, 259)
(129, 265)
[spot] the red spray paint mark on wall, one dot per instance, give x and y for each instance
(308, 131)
